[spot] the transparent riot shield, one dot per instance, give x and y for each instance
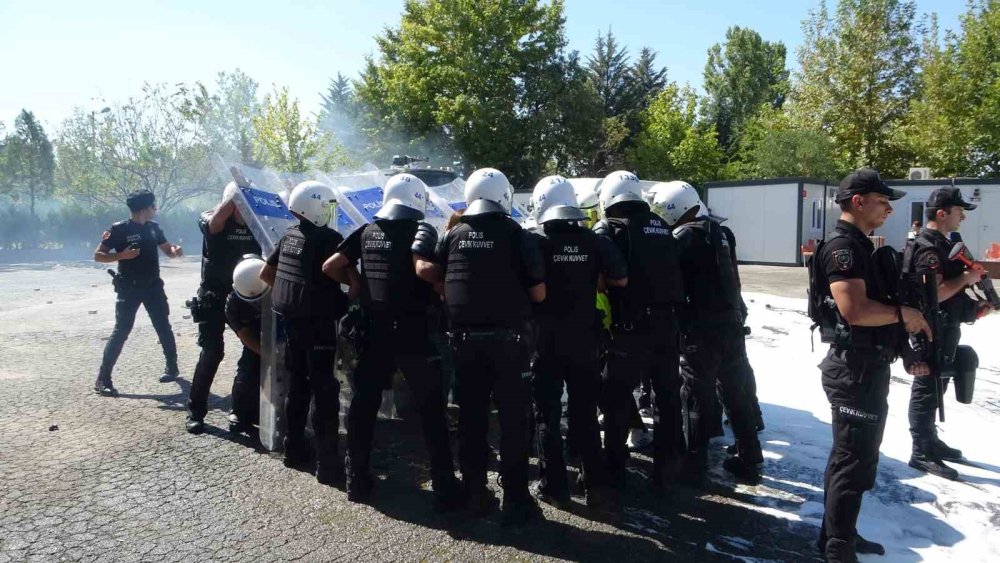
(268, 218)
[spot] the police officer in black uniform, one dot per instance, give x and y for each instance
(135, 243)
(644, 329)
(243, 316)
(310, 304)
(492, 271)
(928, 254)
(855, 372)
(396, 302)
(577, 262)
(226, 239)
(712, 324)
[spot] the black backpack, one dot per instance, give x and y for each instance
(821, 307)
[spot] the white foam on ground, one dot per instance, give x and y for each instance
(916, 516)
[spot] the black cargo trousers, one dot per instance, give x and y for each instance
(717, 355)
(404, 343)
(857, 386)
(648, 345)
(211, 340)
(493, 362)
(923, 395)
(310, 350)
(568, 355)
(131, 294)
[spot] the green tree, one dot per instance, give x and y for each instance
(773, 146)
(226, 115)
(29, 163)
(611, 75)
(673, 145)
(147, 142)
(954, 126)
(480, 81)
(339, 117)
(857, 79)
(742, 75)
(289, 142)
(623, 90)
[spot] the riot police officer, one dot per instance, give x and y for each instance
(310, 304)
(135, 242)
(396, 303)
(855, 372)
(714, 346)
(226, 239)
(243, 316)
(577, 262)
(492, 271)
(928, 254)
(644, 329)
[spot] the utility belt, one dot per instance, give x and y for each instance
(647, 318)
(462, 334)
(124, 282)
(207, 305)
(875, 354)
(695, 320)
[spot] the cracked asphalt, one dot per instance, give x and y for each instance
(87, 478)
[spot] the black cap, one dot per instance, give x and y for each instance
(865, 181)
(943, 198)
(139, 200)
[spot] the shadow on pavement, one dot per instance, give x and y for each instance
(716, 519)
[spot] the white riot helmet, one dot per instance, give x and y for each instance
(313, 201)
(619, 187)
(229, 192)
(588, 192)
(246, 278)
(404, 197)
(553, 199)
(671, 200)
(487, 191)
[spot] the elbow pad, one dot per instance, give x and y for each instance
(603, 228)
(424, 241)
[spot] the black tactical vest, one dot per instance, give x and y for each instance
(654, 279)
(483, 285)
(957, 307)
(222, 251)
(710, 277)
(301, 289)
(391, 283)
(572, 266)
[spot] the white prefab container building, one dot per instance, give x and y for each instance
(774, 218)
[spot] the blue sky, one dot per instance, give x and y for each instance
(57, 55)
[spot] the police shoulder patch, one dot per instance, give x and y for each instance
(932, 260)
(844, 258)
(106, 235)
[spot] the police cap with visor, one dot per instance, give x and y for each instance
(865, 181)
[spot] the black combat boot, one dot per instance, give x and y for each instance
(840, 551)
(929, 463)
(551, 495)
(861, 545)
(944, 451)
(359, 487)
(194, 424)
(105, 388)
(329, 465)
(448, 494)
(237, 426)
(519, 510)
(296, 454)
(481, 500)
(170, 372)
